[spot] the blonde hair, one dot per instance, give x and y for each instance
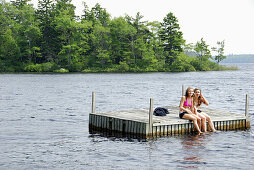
(200, 100)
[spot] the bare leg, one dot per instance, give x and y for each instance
(203, 121)
(210, 123)
(198, 120)
(194, 119)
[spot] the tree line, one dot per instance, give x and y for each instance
(52, 38)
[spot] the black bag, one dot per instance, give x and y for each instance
(160, 111)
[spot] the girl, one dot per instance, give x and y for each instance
(198, 100)
(187, 109)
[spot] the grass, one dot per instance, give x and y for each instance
(225, 68)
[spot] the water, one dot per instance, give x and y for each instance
(44, 121)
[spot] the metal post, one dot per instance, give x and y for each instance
(151, 117)
(93, 102)
(247, 106)
(183, 90)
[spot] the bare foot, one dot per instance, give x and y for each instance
(200, 133)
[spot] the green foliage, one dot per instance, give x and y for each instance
(9, 47)
(44, 67)
(203, 53)
(224, 68)
(220, 51)
(52, 38)
(61, 70)
(121, 34)
(183, 63)
(76, 66)
(124, 67)
(172, 37)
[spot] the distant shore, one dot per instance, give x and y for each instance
(239, 58)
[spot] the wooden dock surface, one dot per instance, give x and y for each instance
(136, 122)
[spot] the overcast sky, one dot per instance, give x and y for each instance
(214, 20)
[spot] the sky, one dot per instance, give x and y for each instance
(212, 20)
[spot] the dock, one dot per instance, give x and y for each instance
(141, 123)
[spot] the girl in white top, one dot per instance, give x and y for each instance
(198, 100)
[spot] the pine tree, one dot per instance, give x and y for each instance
(50, 44)
(171, 37)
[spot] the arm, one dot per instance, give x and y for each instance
(181, 104)
(195, 110)
(204, 99)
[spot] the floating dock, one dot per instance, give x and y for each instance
(141, 123)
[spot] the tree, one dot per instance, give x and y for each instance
(101, 43)
(27, 32)
(172, 38)
(220, 51)
(99, 14)
(9, 49)
(6, 37)
(50, 44)
(154, 40)
(139, 41)
(19, 33)
(66, 5)
(74, 40)
(20, 3)
(99, 35)
(202, 51)
(183, 63)
(52, 37)
(121, 33)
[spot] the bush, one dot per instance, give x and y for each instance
(182, 63)
(92, 70)
(47, 67)
(124, 67)
(76, 67)
(44, 67)
(61, 70)
(224, 68)
(33, 68)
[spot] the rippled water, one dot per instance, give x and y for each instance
(44, 121)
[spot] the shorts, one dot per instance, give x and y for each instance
(182, 113)
(199, 111)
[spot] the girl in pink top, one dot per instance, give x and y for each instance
(187, 109)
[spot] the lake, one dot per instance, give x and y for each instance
(44, 121)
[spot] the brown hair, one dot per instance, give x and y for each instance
(200, 100)
(187, 90)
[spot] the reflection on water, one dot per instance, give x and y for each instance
(192, 145)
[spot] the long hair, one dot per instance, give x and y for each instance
(200, 100)
(187, 90)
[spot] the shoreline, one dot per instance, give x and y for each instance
(221, 67)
